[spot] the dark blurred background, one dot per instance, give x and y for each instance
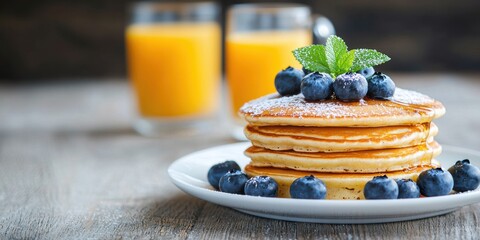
(54, 39)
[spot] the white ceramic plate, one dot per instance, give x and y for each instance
(189, 173)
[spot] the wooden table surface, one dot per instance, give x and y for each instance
(72, 167)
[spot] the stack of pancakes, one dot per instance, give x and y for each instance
(345, 144)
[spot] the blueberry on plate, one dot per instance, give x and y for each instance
(435, 182)
(380, 86)
(262, 186)
(233, 182)
(308, 187)
(466, 177)
(407, 188)
(218, 170)
(381, 187)
(367, 72)
(350, 87)
(317, 86)
(287, 81)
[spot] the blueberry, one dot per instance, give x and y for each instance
(381, 187)
(407, 189)
(380, 86)
(466, 177)
(287, 81)
(435, 182)
(317, 86)
(350, 87)
(308, 187)
(218, 170)
(233, 182)
(306, 71)
(367, 72)
(262, 186)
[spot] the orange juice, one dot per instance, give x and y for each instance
(174, 68)
(254, 58)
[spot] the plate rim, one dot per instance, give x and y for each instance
(244, 203)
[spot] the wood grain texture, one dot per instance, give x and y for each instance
(71, 168)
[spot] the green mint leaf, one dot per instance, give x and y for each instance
(365, 58)
(335, 50)
(312, 58)
(335, 59)
(345, 62)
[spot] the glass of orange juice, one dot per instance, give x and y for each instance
(173, 58)
(259, 43)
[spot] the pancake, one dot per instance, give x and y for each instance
(339, 185)
(371, 161)
(338, 139)
(405, 108)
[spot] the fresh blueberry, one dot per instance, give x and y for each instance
(435, 182)
(466, 177)
(262, 186)
(287, 81)
(218, 170)
(380, 86)
(350, 87)
(233, 182)
(367, 72)
(407, 189)
(306, 71)
(381, 187)
(308, 187)
(317, 86)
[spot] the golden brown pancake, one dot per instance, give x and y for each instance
(339, 185)
(370, 161)
(338, 139)
(345, 144)
(405, 108)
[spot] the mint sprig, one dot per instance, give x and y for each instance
(365, 58)
(312, 58)
(335, 59)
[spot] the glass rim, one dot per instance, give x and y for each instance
(171, 5)
(147, 12)
(273, 7)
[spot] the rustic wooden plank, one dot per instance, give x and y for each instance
(91, 177)
(78, 186)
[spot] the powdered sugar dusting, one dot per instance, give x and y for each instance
(297, 106)
(411, 97)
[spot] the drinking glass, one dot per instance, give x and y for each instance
(173, 58)
(259, 43)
